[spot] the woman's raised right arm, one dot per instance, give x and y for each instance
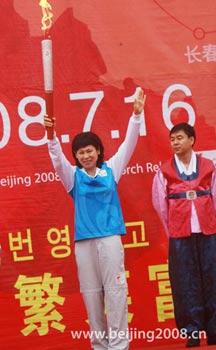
(62, 166)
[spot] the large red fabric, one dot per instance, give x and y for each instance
(102, 51)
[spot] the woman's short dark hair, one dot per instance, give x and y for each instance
(84, 139)
(187, 128)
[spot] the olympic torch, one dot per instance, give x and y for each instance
(46, 47)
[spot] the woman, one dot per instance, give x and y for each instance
(98, 226)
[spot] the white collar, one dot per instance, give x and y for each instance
(93, 176)
(192, 166)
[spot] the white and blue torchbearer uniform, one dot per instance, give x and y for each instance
(98, 248)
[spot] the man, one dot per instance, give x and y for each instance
(184, 196)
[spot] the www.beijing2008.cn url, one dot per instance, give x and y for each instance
(135, 333)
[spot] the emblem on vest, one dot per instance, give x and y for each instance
(102, 173)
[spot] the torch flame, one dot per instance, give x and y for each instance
(47, 14)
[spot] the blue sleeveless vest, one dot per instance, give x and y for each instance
(97, 208)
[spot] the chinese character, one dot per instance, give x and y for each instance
(18, 244)
(40, 294)
(164, 301)
(193, 55)
(137, 229)
(209, 53)
(56, 236)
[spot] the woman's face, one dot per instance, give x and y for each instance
(87, 157)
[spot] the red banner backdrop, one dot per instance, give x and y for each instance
(102, 51)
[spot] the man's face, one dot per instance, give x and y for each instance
(181, 144)
(88, 156)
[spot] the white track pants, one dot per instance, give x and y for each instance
(101, 272)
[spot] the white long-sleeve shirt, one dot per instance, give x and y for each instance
(117, 163)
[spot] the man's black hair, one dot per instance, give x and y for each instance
(84, 139)
(187, 128)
